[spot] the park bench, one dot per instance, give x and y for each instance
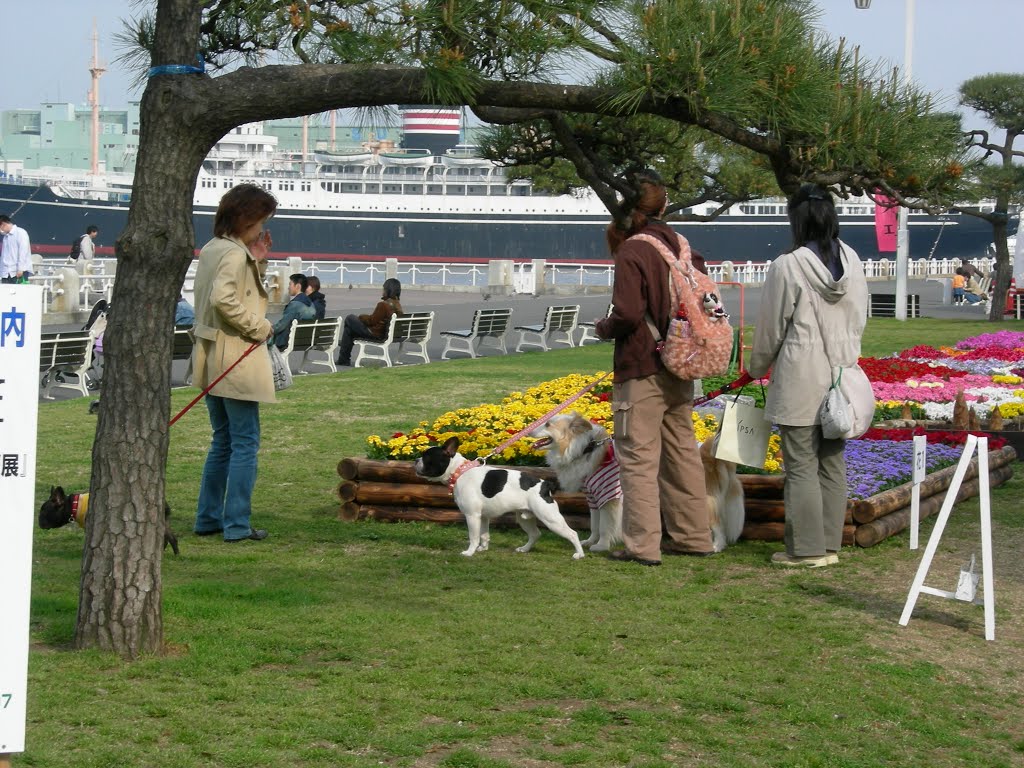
(487, 324)
(557, 320)
(64, 355)
(182, 348)
(413, 328)
(316, 336)
(884, 305)
(589, 329)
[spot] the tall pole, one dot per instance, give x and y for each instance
(94, 100)
(903, 232)
(305, 137)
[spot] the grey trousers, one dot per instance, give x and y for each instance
(659, 467)
(815, 491)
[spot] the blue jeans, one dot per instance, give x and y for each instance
(225, 495)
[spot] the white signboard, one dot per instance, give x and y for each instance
(20, 326)
(920, 471)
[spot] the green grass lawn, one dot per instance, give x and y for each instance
(368, 644)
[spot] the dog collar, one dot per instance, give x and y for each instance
(79, 508)
(458, 473)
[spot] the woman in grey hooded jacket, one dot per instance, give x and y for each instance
(812, 316)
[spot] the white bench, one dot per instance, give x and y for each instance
(62, 355)
(184, 343)
(414, 328)
(589, 329)
(316, 336)
(557, 320)
(487, 323)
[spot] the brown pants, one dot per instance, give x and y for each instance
(661, 473)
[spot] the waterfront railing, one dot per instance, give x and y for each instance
(93, 280)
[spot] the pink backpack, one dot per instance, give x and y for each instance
(699, 340)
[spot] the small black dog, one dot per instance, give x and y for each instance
(61, 509)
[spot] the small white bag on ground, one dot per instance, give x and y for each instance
(743, 437)
(279, 367)
(967, 583)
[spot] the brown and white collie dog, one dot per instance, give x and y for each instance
(582, 456)
(725, 496)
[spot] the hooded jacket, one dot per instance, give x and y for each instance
(807, 319)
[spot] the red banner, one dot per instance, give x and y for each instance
(886, 216)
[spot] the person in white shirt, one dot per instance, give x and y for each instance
(88, 245)
(16, 256)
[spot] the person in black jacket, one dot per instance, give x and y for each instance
(318, 299)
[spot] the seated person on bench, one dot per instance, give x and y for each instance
(318, 300)
(299, 308)
(962, 288)
(373, 326)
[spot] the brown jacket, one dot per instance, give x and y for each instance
(641, 286)
(231, 308)
(381, 317)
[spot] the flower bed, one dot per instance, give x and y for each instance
(924, 379)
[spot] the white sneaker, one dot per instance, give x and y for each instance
(813, 561)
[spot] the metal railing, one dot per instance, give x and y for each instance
(99, 281)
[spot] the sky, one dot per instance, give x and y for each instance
(953, 41)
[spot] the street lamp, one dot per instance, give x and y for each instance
(902, 235)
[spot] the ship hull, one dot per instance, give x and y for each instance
(53, 221)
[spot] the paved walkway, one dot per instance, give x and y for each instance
(454, 310)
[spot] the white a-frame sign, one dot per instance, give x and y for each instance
(965, 591)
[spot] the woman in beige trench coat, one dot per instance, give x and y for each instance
(231, 307)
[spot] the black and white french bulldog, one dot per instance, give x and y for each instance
(482, 493)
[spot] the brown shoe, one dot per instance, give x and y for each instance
(671, 549)
(623, 556)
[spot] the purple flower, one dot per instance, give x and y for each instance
(873, 466)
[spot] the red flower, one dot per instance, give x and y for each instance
(895, 370)
(604, 397)
(397, 434)
(948, 437)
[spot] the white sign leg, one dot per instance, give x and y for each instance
(933, 542)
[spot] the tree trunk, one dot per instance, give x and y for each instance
(120, 594)
(1003, 273)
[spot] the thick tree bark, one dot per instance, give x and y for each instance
(120, 594)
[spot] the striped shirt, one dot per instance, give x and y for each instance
(603, 486)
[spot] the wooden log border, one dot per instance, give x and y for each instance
(392, 491)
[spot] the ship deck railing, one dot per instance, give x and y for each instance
(563, 277)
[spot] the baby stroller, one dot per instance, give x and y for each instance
(96, 323)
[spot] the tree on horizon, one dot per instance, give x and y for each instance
(1000, 98)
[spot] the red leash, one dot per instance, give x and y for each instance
(202, 394)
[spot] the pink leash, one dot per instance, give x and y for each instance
(202, 394)
(525, 430)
